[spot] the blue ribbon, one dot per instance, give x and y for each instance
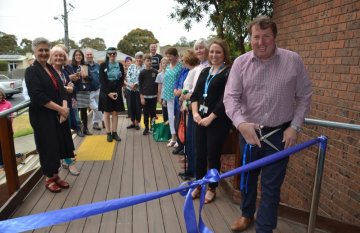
(40, 220)
(243, 183)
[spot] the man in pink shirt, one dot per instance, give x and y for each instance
(268, 89)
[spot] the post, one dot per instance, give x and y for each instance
(317, 184)
(66, 39)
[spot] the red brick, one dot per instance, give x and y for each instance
(350, 60)
(337, 44)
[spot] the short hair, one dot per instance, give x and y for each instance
(264, 22)
(63, 47)
(190, 58)
(39, 40)
(164, 59)
(147, 56)
(58, 49)
(202, 42)
(172, 51)
(224, 45)
(139, 54)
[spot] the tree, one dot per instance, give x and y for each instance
(8, 44)
(97, 43)
(25, 45)
(72, 43)
(229, 18)
(136, 40)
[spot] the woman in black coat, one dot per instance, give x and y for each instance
(110, 99)
(48, 114)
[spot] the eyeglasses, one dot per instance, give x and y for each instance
(43, 50)
(112, 54)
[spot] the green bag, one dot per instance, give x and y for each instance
(161, 132)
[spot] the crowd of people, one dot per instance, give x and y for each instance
(262, 91)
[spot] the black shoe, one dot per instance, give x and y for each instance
(116, 136)
(146, 132)
(132, 126)
(87, 132)
(109, 137)
(137, 127)
(80, 133)
(177, 150)
(96, 126)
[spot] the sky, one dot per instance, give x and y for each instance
(35, 18)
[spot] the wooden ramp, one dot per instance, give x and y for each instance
(139, 165)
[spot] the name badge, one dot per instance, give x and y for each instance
(203, 109)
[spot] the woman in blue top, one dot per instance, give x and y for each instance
(110, 99)
(172, 73)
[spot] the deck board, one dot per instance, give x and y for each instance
(139, 165)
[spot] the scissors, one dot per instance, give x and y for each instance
(263, 138)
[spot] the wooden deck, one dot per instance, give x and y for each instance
(139, 165)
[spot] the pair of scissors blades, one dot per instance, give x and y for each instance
(263, 138)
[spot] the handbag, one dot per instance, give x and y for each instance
(161, 132)
(181, 128)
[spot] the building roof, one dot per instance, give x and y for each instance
(99, 56)
(8, 57)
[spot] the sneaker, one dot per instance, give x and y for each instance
(171, 143)
(116, 136)
(177, 150)
(73, 170)
(96, 126)
(109, 137)
(137, 127)
(132, 126)
(146, 132)
(80, 133)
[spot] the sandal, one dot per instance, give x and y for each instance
(210, 195)
(196, 193)
(52, 186)
(171, 143)
(61, 183)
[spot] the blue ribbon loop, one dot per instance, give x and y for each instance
(50, 218)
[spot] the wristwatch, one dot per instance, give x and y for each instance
(298, 129)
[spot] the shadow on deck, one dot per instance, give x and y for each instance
(139, 165)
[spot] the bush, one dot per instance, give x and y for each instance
(4, 66)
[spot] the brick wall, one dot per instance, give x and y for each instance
(327, 35)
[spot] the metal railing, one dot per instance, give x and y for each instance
(8, 150)
(320, 167)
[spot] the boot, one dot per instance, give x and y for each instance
(116, 136)
(86, 131)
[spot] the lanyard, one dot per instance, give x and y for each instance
(208, 79)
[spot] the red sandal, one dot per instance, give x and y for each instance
(52, 186)
(61, 183)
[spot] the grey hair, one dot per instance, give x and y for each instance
(39, 40)
(202, 42)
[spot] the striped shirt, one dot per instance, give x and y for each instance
(268, 92)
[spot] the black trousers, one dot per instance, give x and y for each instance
(135, 106)
(209, 143)
(149, 110)
(84, 117)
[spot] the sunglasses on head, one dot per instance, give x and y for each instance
(112, 53)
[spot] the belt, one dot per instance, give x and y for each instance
(282, 126)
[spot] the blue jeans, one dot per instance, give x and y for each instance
(272, 177)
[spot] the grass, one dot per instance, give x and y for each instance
(21, 126)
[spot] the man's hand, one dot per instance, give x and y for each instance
(247, 130)
(142, 100)
(290, 136)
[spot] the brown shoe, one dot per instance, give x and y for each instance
(210, 195)
(196, 193)
(241, 224)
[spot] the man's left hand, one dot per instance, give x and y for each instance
(290, 136)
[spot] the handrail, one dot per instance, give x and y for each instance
(8, 148)
(333, 124)
(15, 108)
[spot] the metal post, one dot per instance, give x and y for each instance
(66, 27)
(317, 184)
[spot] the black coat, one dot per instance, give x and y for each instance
(53, 140)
